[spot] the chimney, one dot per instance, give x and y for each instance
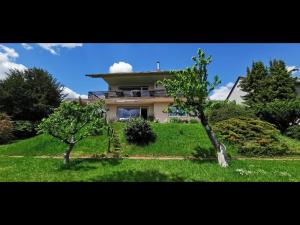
(157, 66)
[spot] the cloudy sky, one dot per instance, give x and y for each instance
(69, 62)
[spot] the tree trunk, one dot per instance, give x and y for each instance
(220, 148)
(67, 154)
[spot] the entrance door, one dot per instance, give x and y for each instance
(144, 113)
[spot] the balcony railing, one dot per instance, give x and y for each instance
(131, 93)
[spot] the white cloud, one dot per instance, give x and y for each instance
(27, 46)
(120, 67)
(289, 68)
(222, 92)
(54, 48)
(7, 61)
(72, 94)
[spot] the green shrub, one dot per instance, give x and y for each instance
(5, 129)
(282, 113)
(253, 137)
(138, 131)
(151, 118)
(223, 110)
(24, 128)
(293, 132)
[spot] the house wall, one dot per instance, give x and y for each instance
(237, 94)
(158, 112)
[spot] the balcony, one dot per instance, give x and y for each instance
(127, 94)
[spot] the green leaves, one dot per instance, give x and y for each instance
(265, 84)
(190, 87)
(71, 122)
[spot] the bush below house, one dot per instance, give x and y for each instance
(223, 110)
(138, 131)
(252, 136)
(293, 132)
(24, 129)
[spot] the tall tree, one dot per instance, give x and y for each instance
(254, 83)
(190, 89)
(266, 84)
(281, 85)
(31, 94)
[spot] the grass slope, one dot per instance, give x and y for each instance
(172, 139)
(33, 169)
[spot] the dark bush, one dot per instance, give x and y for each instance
(293, 132)
(282, 113)
(24, 128)
(253, 137)
(138, 131)
(5, 128)
(223, 110)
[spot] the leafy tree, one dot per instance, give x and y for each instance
(190, 89)
(266, 84)
(282, 113)
(71, 122)
(253, 83)
(30, 94)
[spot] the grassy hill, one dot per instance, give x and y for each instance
(172, 139)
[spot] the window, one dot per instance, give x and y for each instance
(125, 113)
(174, 112)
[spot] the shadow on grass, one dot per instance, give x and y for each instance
(138, 176)
(85, 164)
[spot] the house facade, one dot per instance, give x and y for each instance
(135, 95)
(236, 92)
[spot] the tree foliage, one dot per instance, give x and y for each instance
(266, 84)
(30, 94)
(190, 89)
(71, 122)
(282, 113)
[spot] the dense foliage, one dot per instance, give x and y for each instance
(30, 94)
(252, 136)
(266, 84)
(222, 110)
(24, 128)
(293, 132)
(5, 128)
(138, 131)
(71, 122)
(282, 113)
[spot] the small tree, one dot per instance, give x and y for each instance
(71, 122)
(190, 89)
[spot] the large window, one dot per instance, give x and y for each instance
(125, 113)
(174, 112)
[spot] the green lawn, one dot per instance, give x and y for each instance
(33, 169)
(172, 140)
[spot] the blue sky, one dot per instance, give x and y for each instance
(69, 62)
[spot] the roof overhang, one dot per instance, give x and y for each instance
(136, 78)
